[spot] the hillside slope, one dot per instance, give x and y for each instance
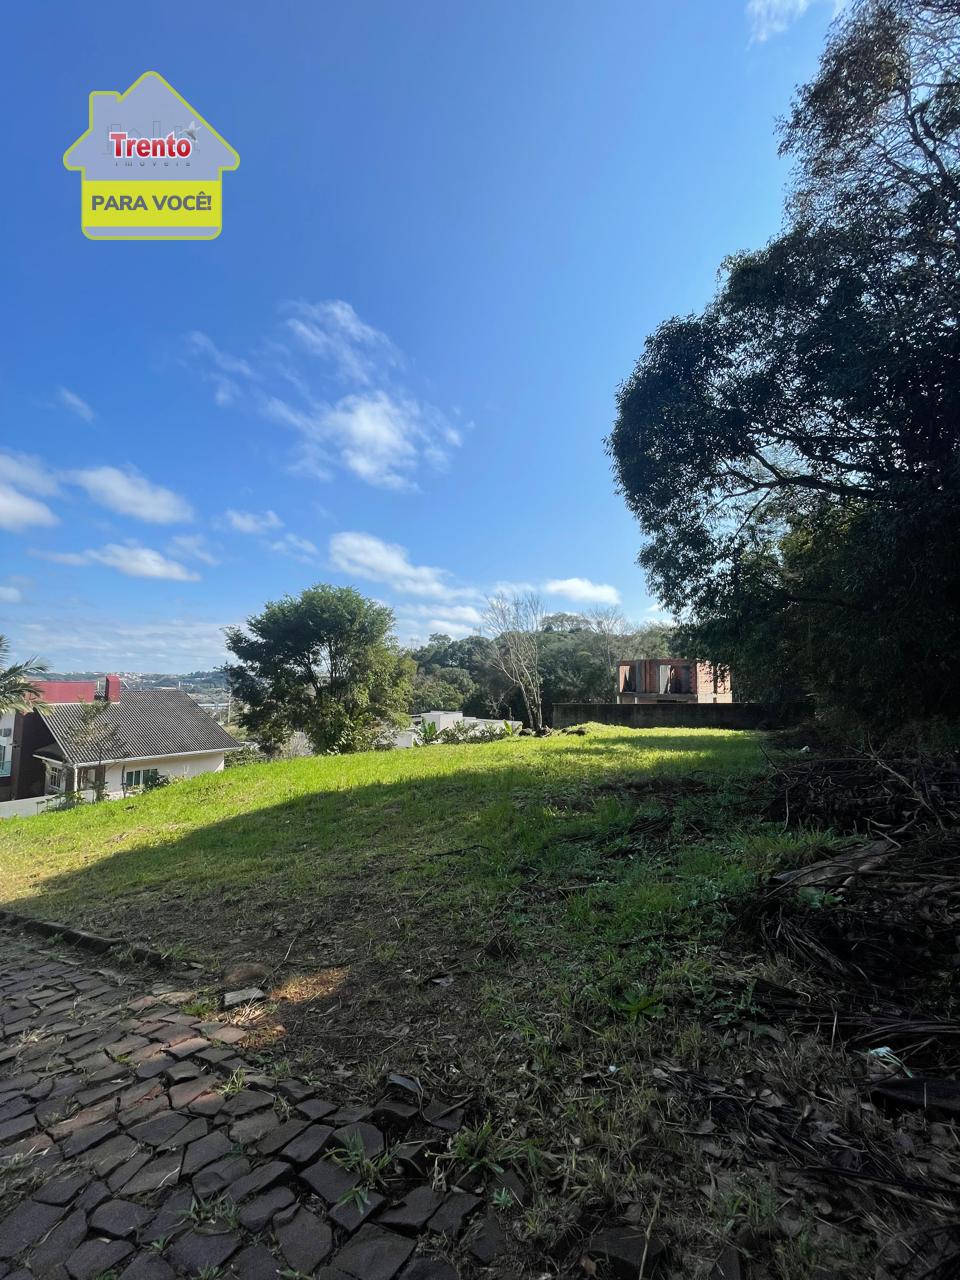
(559, 932)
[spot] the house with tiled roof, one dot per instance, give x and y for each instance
(109, 741)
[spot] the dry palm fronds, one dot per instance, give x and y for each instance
(760, 1120)
(866, 793)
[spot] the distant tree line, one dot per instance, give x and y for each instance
(791, 453)
(326, 664)
(567, 657)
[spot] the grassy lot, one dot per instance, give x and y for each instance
(301, 829)
(533, 925)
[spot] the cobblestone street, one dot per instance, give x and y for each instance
(137, 1143)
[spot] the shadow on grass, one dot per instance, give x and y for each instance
(377, 837)
(368, 886)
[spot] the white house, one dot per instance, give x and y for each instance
(142, 735)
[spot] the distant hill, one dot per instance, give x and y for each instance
(198, 682)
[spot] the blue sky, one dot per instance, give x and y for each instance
(451, 229)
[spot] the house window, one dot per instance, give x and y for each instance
(5, 761)
(140, 777)
(54, 777)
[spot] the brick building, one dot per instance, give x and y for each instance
(645, 680)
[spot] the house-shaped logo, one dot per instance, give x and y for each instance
(150, 166)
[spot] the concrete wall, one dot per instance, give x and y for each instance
(682, 715)
(23, 808)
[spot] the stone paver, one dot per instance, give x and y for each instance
(144, 1165)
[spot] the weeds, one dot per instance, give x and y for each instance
(235, 1082)
(485, 1151)
(220, 1211)
(204, 1006)
(370, 1170)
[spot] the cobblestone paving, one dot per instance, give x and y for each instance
(132, 1148)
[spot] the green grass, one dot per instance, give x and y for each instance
(300, 827)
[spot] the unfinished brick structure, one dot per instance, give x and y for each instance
(648, 680)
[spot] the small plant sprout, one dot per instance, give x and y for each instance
(234, 1083)
(371, 1170)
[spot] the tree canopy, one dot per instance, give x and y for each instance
(792, 452)
(325, 663)
(576, 656)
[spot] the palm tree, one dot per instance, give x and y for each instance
(17, 691)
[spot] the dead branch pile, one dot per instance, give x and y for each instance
(754, 1113)
(851, 1173)
(879, 929)
(869, 794)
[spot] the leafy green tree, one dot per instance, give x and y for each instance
(792, 452)
(463, 671)
(325, 663)
(443, 689)
(18, 692)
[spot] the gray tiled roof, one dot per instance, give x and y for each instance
(144, 722)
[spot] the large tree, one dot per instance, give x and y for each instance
(792, 452)
(325, 663)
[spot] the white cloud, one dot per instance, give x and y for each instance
(252, 521)
(193, 546)
(10, 595)
(76, 404)
(301, 549)
(379, 437)
(365, 556)
(226, 392)
(129, 558)
(417, 621)
(349, 408)
(414, 633)
(220, 368)
(453, 613)
(334, 331)
(583, 590)
(18, 511)
(201, 344)
(27, 472)
(141, 562)
(131, 494)
(772, 17)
